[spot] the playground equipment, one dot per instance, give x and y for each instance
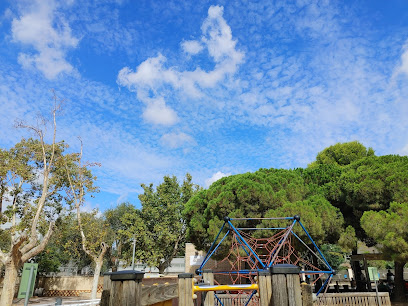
(263, 264)
(261, 248)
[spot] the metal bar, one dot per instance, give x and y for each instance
(30, 277)
(316, 272)
(328, 265)
(218, 299)
(205, 288)
(215, 240)
(250, 297)
(308, 247)
(243, 240)
(277, 218)
(260, 228)
(207, 258)
(325, 283)
(281, 243)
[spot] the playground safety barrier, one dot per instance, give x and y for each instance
(278, 286)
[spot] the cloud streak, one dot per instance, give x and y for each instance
(47, 32)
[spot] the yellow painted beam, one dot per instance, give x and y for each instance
(198, 288)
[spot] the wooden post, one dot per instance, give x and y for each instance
(107, 284)
(265, 288)
(307, 294)
(286, 285)
(208, 297)
(367, 275)
(126, 288)
(185, 289)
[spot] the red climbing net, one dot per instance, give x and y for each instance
(248, 254)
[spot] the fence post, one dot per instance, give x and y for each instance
(208, 297)
(126, 288)
(307, 294)
(106, 289)
(286, 285)
(185, 289)
(265, 287)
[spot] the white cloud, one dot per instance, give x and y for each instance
(157, 112)
(41, 27)
(152, 77)
(404, 61)
(176, 140)
(216, 176)
(192, 47)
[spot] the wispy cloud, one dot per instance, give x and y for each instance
(216, 176)
(40, 26)
(403, 67)
(177, 140)
(152, 78)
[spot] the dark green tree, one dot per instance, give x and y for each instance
(389, 228)
(342, 154)
(266, 192)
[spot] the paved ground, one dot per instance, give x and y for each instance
(49, 300)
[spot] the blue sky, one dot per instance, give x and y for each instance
(160, 88)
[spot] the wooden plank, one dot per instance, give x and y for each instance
(208, 297)
(280, 295)
(293, 287)
(307, 295)
(158, 293)
(265, 293)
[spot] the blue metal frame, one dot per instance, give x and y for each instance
(328, 265)
(207, 258)
(243, 240)
(250, 252)
(218, 299)
(325, 283)
(250, 297)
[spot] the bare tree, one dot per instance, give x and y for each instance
(28, 162)
(94, 241)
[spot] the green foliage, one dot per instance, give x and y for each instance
(348, 239)
(159, 226)
(342, 154)
(389, 229)
(115, 218)
(266, 192)
(333, 254)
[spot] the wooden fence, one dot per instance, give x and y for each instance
(353, 298)
(274, 288)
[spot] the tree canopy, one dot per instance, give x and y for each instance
(389, 228)
(159, 227)
(264, 193)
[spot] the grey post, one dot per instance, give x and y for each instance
(30, 278)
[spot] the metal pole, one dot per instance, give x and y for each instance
(376, 292)
(27, 295)
(133, 257)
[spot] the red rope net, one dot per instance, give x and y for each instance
(240, 266)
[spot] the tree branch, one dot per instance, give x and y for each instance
(36, 250)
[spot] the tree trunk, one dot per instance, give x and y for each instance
(9, 283)
(399, 287)
(98, 267)
(162, 267)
